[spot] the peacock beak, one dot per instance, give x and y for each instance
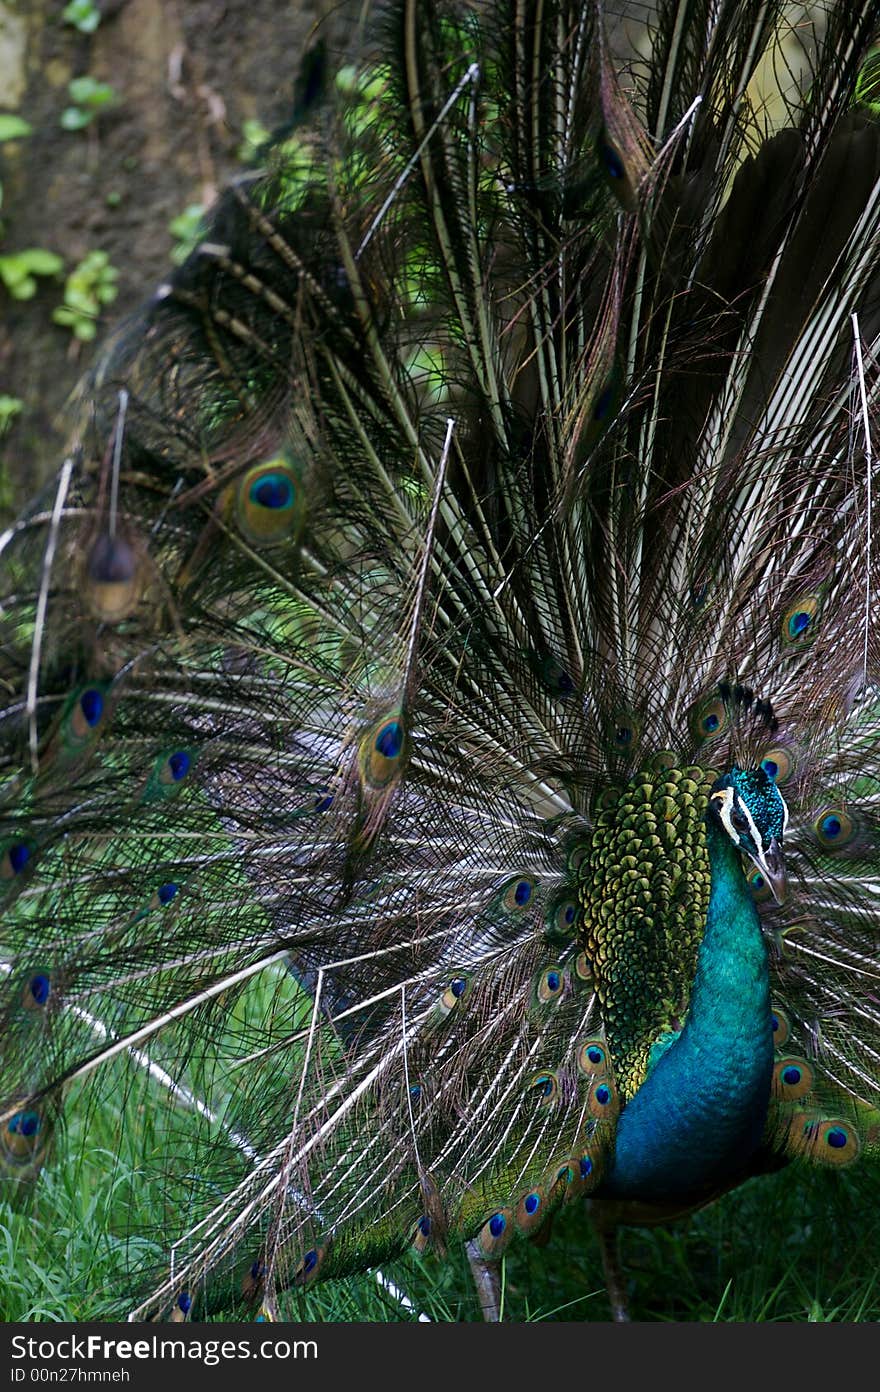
(771, 864)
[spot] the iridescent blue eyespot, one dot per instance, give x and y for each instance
(184, 1302)
(545, 1085)
(835, 828)
(611, 161)
(424, 1225)
(586, 1167)
(310, 1261)
(836, 1137)
(550, 985)
(497, 1224)
(770, 767)
(19, 855)
(166, 892)
(24, 1124)
(178, 765)
(323, 801)
(708, 719)
(272, 491)
(791, 1076)
(39, 988)
(457, 987)
(595, 1054)
(603, 1095)
(532, 1203)
(780, 1027)
(799, 619)
(389, 740)
(91, 703)
(517, 894)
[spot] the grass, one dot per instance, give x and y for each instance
(801, 1245)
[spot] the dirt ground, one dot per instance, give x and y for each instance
(187, 74)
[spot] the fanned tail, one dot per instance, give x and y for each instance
(497, 470)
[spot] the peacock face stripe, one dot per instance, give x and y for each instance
(754, 815)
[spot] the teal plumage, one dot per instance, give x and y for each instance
(462, 582)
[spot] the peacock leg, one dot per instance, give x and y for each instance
(487, 1279)
(614, 1284)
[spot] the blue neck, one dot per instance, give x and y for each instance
(701, 1110)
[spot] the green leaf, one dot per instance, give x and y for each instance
(40, 261)
(86, 91)
(17, 271)
(84, 15)
(73, 119)
(10, 407)
(20, 285)
(13, 127)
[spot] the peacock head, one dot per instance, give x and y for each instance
(751, 809)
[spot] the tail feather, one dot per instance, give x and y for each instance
(498, 468)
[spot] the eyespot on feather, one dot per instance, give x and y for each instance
(792, 1079)
(823, 1140)
(37, 991)
(270, 503)
(453, 997)
(834, 828)
(708, 719)
(582, 969)
(169, 774)
(602, 1099)
(780, 1026)
(111, 578)
(549, 985)
(494, 1236)
(84, 714)
(24, 1143)
(561, 1180)
(382, 752)
(309, 1268)
(421, 1238)
(799, 621)
(592, 1058)
(562, 920)
(545, 1088)
(517, 893)
(623, 731)
(761, 891)
(531, 1211)
(16, 858)
(778, 763)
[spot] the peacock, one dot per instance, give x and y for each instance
(441, 689)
